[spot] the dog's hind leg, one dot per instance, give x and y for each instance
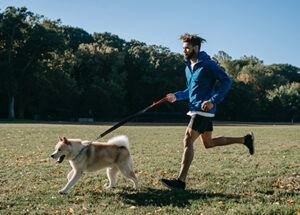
(112, 176)
(126, 169)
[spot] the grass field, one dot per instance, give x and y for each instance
(224, 180)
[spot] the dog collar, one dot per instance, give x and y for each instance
(81, 150)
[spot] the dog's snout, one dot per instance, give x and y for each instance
(52, 156)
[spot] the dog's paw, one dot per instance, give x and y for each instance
(62, 192)
(107, 186)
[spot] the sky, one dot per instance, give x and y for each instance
(266, 29)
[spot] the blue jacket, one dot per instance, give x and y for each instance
(201, 83)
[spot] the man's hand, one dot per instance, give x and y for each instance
(207, 105)
(171, 97)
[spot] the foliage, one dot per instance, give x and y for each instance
(54, 72)
(240, 97)
(287, 99)
(75, 36)
(26, 40)
(109, 40)
(98, 73)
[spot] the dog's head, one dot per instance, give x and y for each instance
(63, 149)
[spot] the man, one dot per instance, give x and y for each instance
(202, 73)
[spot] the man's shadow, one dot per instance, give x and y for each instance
(179, 198)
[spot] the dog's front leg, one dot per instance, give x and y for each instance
(76, 175)
(70, 174)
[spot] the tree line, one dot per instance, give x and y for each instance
(49, 71)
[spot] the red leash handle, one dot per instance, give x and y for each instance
(154, 104)
(158, 102)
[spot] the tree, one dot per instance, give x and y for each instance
(240, 104)
(100, 79)
(109, 40)
(25, 40)
(289, 72)
(149, 68)
(222, 57)
(287, 98)
(75, 36)
(57, 95)
(12, 36)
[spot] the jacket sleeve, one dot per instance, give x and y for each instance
(220, 74)
(182, 95)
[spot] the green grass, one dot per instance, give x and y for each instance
(223, 180)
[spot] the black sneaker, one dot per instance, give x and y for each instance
(249, 142)
(173, 183)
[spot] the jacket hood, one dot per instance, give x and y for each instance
(202, 56)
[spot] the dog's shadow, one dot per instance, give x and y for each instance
(180, 198)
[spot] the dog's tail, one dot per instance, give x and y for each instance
(120, 141)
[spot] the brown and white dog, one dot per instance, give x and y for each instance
(86, 156)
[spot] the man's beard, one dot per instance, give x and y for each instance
(190, 55)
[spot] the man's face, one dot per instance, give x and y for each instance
(189, 51)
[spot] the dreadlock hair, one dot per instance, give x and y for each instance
(192, 39)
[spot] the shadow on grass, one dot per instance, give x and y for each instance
(180, 198)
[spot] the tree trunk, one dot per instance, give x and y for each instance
(11, 99)
(11, 108)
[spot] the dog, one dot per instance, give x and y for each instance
(86, 156)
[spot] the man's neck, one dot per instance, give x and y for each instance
(193, 60)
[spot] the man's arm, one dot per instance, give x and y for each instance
(220, 74)
(178, 96)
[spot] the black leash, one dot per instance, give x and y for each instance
(129, 118)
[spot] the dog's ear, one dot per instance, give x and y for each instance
(65, 140)
(60, 139)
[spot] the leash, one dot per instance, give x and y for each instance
(120, 124)
(130, 117)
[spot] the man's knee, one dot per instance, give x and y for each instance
(207, 140)
(208, 143)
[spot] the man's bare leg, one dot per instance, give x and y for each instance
(210, 142)
(188, 152)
